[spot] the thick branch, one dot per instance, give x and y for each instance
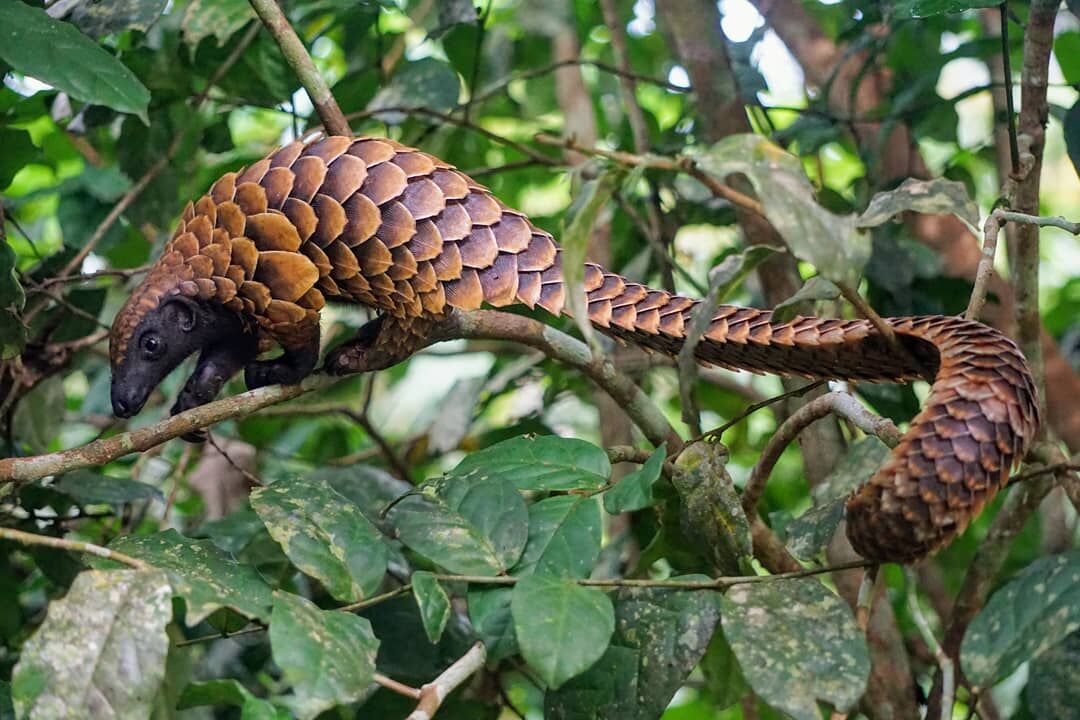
(433, 693)
(301, 63)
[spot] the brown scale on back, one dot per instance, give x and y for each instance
(370, 221)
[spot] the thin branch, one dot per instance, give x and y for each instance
(943, 660)
(852, 296)
(25, 538)
(387, 450)
(985, 271)
(433, 693)
(296, 55)
(864, 602)
(87, 277)
(660, 162)
(1006, 64)
(548, 69)
(394, 686)
(842, 404)
(718, 432)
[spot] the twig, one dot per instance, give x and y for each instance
(1006, 64)
(1040, 220)
(840, 403)
(385, 447)
(86, 277)
(865, 600)
(985, 271)
(222, 69)
(79, 546)
(296, 55)
(660, 162)
(852, 296)
(943, 660)
(433, 693)
(394, 686)
(718, 432)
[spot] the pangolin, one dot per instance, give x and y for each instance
(370, 221)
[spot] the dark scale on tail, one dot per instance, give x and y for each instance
(373, 222)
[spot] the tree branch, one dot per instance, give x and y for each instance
(296, 55)
(79, 546)
(433, 693)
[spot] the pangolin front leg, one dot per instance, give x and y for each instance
(301, 354)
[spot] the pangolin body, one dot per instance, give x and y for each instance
(373, 222)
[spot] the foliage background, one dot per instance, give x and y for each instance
(96, 163)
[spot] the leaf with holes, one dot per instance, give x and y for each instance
(327, 656)
(101, 650)
(1023, 619)
(796, 643)
(57, 54)
(204, 575)
(325, 535)
(562, 627)
(547, 462)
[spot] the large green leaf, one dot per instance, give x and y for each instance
(936, 196)
(1067, 52)
(1026, 617)
(101, 650)
(547, 462)
(564, 537)
(562, 627)
(491, 618)
(1052, 690)
(19, 150)
(477, 528)
(327, 656)
(325, 535)
(220, 18)
(796, 643)
(103, 18)
(56, 53)
(660, 636)
(88, 488)
(200, 572)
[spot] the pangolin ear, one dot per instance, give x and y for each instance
(183, 311)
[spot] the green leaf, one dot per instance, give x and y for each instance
(910, 9)
(937, 196)
(547, 462)
(724, 680)
(230, 692)
(1072, 135)
(12, 298)
(1026, 617)
(862, 460)
(324, 535)
(814, 289)
(220, 18)
(711, 514)
(575, 239)
(19, 151)
(635, 491)
(56, 53)
(1052, 690)
(433, 603)
(40, 413)
(562, 627)
(796, 643)
(491, 618)
(105, 18)
(327, 656)
(101, 650)
(89, 488)
(428, 82)
(829, 242)
(564, 537)
(808, 534)
(660, 636)
(1067, 52)
(200, 572)
(480, 529)
(7, 709)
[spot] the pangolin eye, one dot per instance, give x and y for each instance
(152, 344)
